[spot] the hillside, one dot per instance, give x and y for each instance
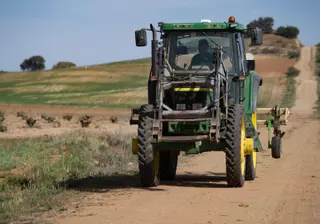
(124, 84)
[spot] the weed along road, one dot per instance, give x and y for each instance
(286, 190)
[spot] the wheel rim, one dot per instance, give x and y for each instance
(242, 146)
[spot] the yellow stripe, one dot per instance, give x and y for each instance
(189, 89)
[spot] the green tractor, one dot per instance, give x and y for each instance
(202, 96)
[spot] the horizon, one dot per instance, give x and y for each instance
(80, 33)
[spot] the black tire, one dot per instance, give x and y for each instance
(250, 173)
(147, 172)
(276, 147)
(235, 177)
(168, 165)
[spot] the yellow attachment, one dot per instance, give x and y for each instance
(254, 154)
(192, 89)
(242, 146)
(134, 145)
(254, 119)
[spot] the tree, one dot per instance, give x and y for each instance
(288, 31)
(265, 23)
(34, 63)
(63, 64)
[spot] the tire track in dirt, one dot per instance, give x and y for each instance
(285, 191)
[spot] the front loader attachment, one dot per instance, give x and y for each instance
(276, 117)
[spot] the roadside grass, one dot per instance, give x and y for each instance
(290, 92)
(317, 71)
(271, 93)
(32, 170)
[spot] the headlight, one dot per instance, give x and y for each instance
(181, 106)
(196, 106)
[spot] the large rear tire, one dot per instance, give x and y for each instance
(251, 160)
(235, 136)
(168, 165)
(147, 158)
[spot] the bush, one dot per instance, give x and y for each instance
(293, 72)
(265, 23)
(63, 64)
(293, 54)
(270, 50)
(288, 31)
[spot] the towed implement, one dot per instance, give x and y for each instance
(202, 96)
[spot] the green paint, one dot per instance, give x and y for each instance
(269, 133)
(251, 132)
(202, 26)
(190, 148)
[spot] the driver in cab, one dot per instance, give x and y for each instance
(204, 58)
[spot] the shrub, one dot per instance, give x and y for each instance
(63, 64)
(270, 50)
(293, 72)
(293, 54)
(288, 31)
(265, 23)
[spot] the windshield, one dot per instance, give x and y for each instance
(190, 50)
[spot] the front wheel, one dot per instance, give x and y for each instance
(148, 159)
(276, 147)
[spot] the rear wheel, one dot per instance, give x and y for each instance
(251, 160)
(235, 137)
(168, 165)
(147, 158)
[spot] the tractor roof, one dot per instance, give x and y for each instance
(203, 25)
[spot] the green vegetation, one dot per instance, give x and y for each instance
(288, 31)
(290, 92)
(34, 63)
(63, 64)
(294, 55)
(36, 173)
(267, 23)
(118, 84)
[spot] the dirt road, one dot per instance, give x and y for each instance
(286, 190)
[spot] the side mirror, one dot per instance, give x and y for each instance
(257, 36)
(251, 63)
(141, 38)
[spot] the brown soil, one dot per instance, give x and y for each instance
(272, 65)
(285, 191)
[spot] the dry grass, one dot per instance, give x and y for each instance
(33, 171)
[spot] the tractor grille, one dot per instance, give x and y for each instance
(190, 100)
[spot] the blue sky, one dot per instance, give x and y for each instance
(97, 31)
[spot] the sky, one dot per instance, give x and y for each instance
(88, 32)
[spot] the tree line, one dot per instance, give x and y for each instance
(37, 63)
(267, 23)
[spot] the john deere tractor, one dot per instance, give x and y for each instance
(202, 96)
